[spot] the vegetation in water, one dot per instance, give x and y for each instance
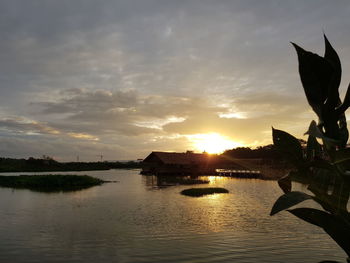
(197, 192)
(324, 168)
(50, 182)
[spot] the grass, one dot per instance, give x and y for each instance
(197, 192)
(50, 182)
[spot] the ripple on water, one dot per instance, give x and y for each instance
(130, 221)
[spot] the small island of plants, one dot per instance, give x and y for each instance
(50, 182)
(197, 192)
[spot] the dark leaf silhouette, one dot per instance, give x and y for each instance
(326, 167)
(288, 145)
(321, 77)
(313, 148)
(288, 200)
(334, 227)
(285, 183)
(346, 103)
(316, 74)
(332, 57)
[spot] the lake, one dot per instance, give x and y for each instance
(134, 220)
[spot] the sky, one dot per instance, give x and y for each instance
(124, 78)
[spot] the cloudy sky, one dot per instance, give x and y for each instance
(123, 78)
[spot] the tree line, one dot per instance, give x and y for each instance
(47, 164)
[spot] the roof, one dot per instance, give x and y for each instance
(179, 158)
(190, 158)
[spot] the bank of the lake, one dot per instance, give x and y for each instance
(143, 219)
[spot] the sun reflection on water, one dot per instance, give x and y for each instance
(215, 179)
(210, 212)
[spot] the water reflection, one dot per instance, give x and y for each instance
(125, 222)
(156, 182)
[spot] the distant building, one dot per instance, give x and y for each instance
(188, 163)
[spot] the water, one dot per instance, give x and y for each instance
(136, 221)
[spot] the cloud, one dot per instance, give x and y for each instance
(141, 75)
(22, 125)
(124, 112)
(104, 117)
(129, 113)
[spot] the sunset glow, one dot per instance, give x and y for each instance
(126, 78)
(212, 143)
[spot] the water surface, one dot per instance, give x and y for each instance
(134, 220)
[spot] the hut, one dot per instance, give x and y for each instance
(187, 163)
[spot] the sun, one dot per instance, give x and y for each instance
(212, 143)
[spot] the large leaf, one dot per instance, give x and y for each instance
(285, 183)
(332, 57)
(343, 133)
(316, 75)
(322, 179)
(313, 148)
(301, 176)
(288, 200)
(335, 227)
(320, 185)
(346, 103)
(288, 145)
(315, 131)
(341, 155)
(340, 195)
(320, 163)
